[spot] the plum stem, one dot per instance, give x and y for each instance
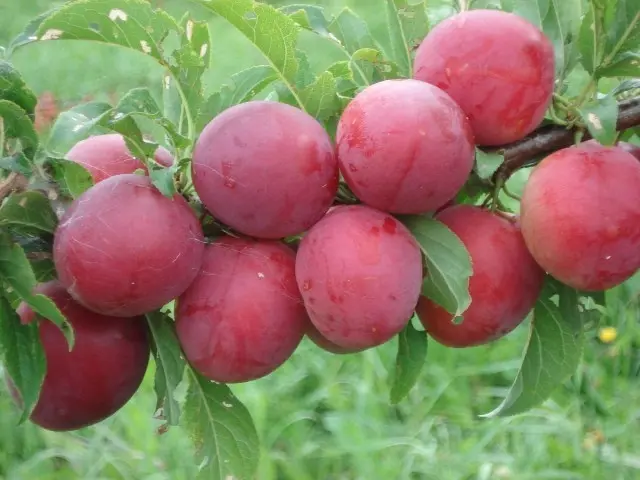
(533, 148)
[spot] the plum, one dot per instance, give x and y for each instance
(107, 155)
(124, 249)
(581, 215)
(496, 65)
(404, 146)
(504, 287)
(98, 376)
(359, 271)
(266, 169)
(243, 316)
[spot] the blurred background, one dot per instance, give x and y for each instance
(322, 416)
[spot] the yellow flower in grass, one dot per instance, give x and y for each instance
(608, 334)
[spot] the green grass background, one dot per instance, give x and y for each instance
(328, 417)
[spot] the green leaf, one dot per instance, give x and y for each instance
(309, 17)
(221, 428)
(74, 125)
(16, 273)
(625, 64)
(18, 162)
(601, 117)
(626, 86)
(622, 36)
(532, 10)
(128, 23)
(273, 32)
(28, 213)
(591, 38)
(320, 97)
(72, 178)
(140, 102)
(351, 32)
(23, 357)
(14, 89)
(170, 365)
(18, 125)
(487, 163)
(408, 25)
(243, 87)
(561, 24)
(552, 354)
(448, 263)
(412, 352)
(163, 179)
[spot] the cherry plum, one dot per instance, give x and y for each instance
(504, 287)
(581, 215)
(360, 273)
(124, 249)
(107, 155)
(266, 169)
(243, 316)
(404, 146)
(98, 376)
(496, 65)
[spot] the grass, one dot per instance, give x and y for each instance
(328, 417)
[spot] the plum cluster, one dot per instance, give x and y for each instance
(351, 279)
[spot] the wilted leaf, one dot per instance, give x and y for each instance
(412, 353)
(22, 356)
(28, 213)
(170, 365)
(552, 354)
(448, 264)
(601, 117)
(16, 273)
(222, 430)
(13, 88)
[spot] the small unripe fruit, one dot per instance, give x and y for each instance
(266, 169)
(504, 287)
(107, 155)
(496, 65)
(360, 273)
(98, 376)
(581, 215)
(404, 147)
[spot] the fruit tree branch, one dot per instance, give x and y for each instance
(550, 138)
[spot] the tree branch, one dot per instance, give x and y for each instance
(531, 149)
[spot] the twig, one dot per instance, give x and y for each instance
(550, 138)
(13, 182)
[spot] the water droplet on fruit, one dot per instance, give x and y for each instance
(608, 257)
(260, 275)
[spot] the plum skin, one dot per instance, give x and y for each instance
(496, 65)
(504, 287)
(243, 316)
(411, 158)
(98, 376)
(316, 337)
(359, 271)
(124, 249)
(107, 155)
(580, 215)
(266, 169)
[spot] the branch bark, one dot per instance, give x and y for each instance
(550, 138)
